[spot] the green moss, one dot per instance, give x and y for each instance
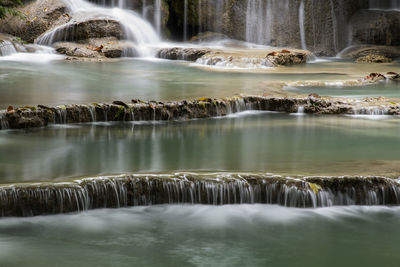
(30, 108)
(120, 113)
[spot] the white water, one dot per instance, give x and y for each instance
(31, 53)
(7, 48)
(135, 29)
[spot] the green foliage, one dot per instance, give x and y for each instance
(7, 8)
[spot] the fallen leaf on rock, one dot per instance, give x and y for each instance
(94, 48)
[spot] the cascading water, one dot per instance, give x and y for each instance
(135, 29)
(302, 26)
(190, 188)
(262, 17)
(7, 48)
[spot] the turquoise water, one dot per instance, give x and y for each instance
(246, 142)
(76, 82)
(60, 82)
(246, 235)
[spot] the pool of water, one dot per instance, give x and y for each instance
(60, 82)
(245, 142)
(246, 235)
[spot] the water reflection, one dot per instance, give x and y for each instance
(267, 142)
(79, 82)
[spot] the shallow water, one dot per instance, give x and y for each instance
(59, 82)
(245, 142)
(245, 235)
(385, 89)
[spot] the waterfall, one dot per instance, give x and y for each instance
(255, 22)
(3, 121)
(157, 16)
(185, 20)
(7, 48)
(191, 188)
(262, 17)
(135, 29)
(301, 24)
(200, 15)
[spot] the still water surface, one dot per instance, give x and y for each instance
(59, 82)
(245, 142)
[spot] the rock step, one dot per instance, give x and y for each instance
(189, 188)
(30, 117)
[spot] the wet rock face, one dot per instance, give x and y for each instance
(38, 17)
(376, 27)
(83, 29)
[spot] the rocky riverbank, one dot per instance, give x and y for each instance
(189, 188)
(39, 116)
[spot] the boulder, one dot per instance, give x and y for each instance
(181, 53)
(373, 59)
(37, 17)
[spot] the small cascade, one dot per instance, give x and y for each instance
(135, 28)
(373, 111)
(3, 121)
(191, 188)
(7, 48)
